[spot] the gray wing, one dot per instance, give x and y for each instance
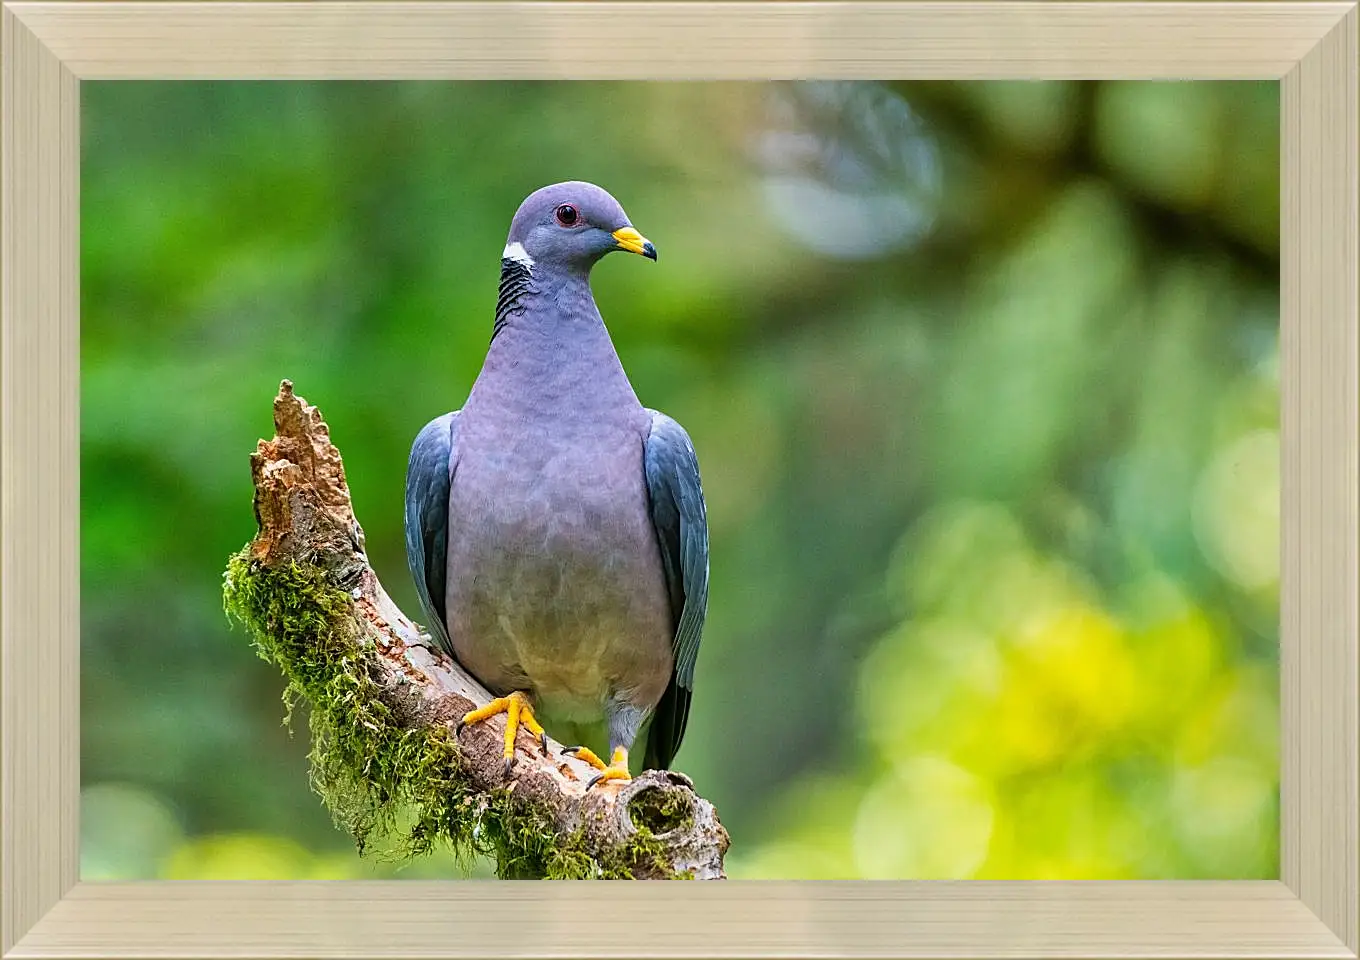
(678, 513)
(427, 519)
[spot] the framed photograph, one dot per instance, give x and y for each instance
(939, 523)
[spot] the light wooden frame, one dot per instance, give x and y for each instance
(1313, 911)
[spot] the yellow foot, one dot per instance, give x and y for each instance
(519, 712)
(618, 770)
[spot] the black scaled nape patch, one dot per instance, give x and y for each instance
(515, 277)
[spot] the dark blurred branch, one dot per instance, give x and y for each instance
(951, 116)
(930, 270)
(347, 635)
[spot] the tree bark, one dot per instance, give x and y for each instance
(653, 826)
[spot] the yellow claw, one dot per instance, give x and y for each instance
(588, 755)
(617, 770)
(519, 711)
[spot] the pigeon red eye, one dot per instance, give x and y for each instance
(567, 215)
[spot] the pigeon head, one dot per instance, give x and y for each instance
(569, 226)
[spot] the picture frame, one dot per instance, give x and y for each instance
(48, 49)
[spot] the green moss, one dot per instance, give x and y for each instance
(661, 811)
(380, 779)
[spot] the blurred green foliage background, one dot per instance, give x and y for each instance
(983, 379)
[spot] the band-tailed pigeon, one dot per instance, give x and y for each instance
(555, 527)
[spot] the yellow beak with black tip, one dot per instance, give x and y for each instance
(629, 239)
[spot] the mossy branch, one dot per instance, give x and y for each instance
(383, 702)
